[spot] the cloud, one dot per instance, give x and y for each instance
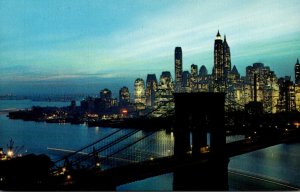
(141, 37)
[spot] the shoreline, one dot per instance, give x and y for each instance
(8, 110)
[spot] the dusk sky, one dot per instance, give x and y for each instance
(63, 46)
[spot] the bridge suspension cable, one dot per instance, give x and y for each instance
(83, 148)
(113, 156)
(101, 149)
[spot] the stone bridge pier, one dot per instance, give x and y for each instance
(197, 114)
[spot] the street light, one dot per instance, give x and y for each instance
(10, 153)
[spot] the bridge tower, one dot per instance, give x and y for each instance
(198, 114)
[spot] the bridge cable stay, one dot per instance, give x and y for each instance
(91, 154)
(111, 156)
(122, 157)
(92, 144)
(105, 147)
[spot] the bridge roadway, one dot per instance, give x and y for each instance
(111, 178)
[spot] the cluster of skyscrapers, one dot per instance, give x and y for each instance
(276, 94)
(260, 84)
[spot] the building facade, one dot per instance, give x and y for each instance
(226, 59)
(164, 95)
(124, 97)
(151, 88)
(297, 72)
(286, 100)
(106, 98)
(178, 69)
(266, 86)
(139, 94)
(218, 69)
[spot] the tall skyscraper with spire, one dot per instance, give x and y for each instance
(218, 69)
(297, 72)
(178, 69)
(222, 59)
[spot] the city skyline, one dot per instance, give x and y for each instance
(86, 46)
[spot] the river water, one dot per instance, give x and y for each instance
(273, 168)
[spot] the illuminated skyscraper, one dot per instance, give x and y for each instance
(105, 96)
(296, 89)
(186, 81)
(194, 77)
(266, 86)
(178, 69)
(166, 82)
(218, 69)
(286, 100)
(222, 59)
(164, 94)
(151, 87)
(226, 58)
(139, 94)
(124, 97)
(297, 72)
(297, 96)
(203, 83)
